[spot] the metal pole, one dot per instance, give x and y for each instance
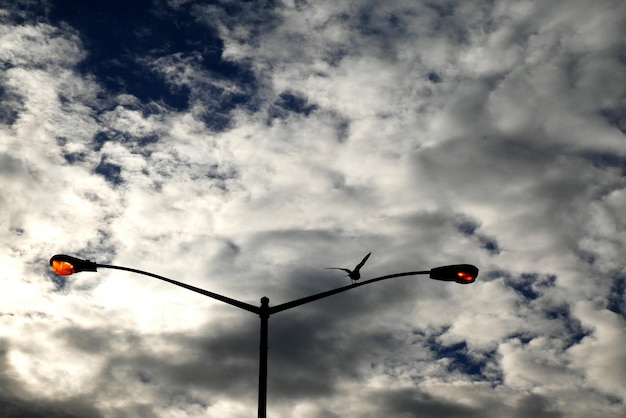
(265, 315)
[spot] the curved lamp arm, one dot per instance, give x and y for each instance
(65, 265)
(298, 302)
(226, 299)
(459, 273)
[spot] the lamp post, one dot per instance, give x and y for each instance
(66, 265)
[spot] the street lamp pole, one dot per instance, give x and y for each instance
(66, 265)
(264, 314)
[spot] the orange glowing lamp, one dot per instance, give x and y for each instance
(65, 265)
(62, 268)
(460, 273)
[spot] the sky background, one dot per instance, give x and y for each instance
(242, 147)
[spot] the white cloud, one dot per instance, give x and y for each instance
(428, 134)
(600, 356)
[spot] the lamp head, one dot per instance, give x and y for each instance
(460, 273)
(65, 265)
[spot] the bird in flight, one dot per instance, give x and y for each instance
(353, 274)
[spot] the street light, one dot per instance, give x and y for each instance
(460, 273)
(66, 265)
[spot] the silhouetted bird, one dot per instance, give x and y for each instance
(353, 274)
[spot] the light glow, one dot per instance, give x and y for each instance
(62, 268)
(465, 276)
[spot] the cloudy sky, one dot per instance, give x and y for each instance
(242, 147)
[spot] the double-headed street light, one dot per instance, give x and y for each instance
(66, 265)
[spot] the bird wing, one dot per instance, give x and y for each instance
(338, 268)
(358, 266)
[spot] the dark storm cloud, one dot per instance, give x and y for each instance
(307, 354)
(537, 406)
(92, 340)
(14, 407)
(312, 349)
(226, 365)
(416, 404)
(419, 404)
(224, 362)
